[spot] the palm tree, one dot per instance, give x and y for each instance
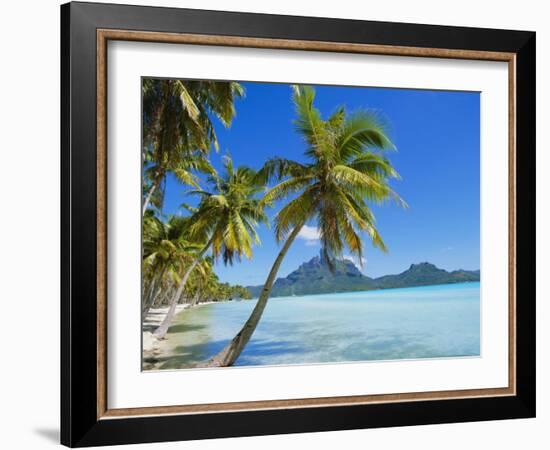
(198, 281)
(209, 288)
(183, 163)
(229, 216)
(165, 253)
(177, 128)
(345, 169)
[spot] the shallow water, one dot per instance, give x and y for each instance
(420, 322)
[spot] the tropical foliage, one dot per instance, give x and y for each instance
(178, 131)
(225, 219)
(344, 170)
(178, 134)
(166, 256)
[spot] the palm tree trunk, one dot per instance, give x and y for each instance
(148, 198)
(232, 351)
(149, 297)
(161, 299)
(155, 184)
(195, 298)
(153, 292)
(161, 331)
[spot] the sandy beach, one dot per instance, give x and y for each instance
(153, 347)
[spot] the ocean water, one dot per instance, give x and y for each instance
(421, 322)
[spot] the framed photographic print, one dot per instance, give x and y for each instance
(276, 224)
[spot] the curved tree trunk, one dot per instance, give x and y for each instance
(152, 293)
(147, 199)
(195, 299)
(232, 351)
(154, 186)
(147, 296)
(161, 331)
(161, 299)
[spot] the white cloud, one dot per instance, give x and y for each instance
(309, 234)
(355, 261)
(312, 243)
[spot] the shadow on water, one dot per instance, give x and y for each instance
(256, 351)
(271, 348)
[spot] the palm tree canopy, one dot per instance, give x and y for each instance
(346, 168)
(230, 213)
(177, 112)
(177, 128)
(167, 244)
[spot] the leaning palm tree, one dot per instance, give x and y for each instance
(182, 162)
(177, 128)
(345, 170)
(166, 252)
(198, 280)
(229, 217)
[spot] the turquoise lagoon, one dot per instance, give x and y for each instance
(439, 321)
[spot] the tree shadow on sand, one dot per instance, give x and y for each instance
(187, 356)
(179, 328)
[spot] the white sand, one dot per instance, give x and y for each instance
(156, 315)
(151, 345)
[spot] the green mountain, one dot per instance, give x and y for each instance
(314, 277)
(424, 274)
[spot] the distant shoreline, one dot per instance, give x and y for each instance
(317, 277)
(373, 290)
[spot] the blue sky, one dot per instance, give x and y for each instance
(437, 139)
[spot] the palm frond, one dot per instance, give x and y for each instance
(287, 187)
(279, 168)
(296, 212)
(187, 100)
(361, 131)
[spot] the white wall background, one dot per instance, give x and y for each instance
(29, 229)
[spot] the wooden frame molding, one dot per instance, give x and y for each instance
(103, 36)
(86, 29)
(290, 44)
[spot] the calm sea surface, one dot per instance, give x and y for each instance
(421, 322)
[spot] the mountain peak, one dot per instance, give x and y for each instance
(423, 266)
(320, 263)
(314, 277)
